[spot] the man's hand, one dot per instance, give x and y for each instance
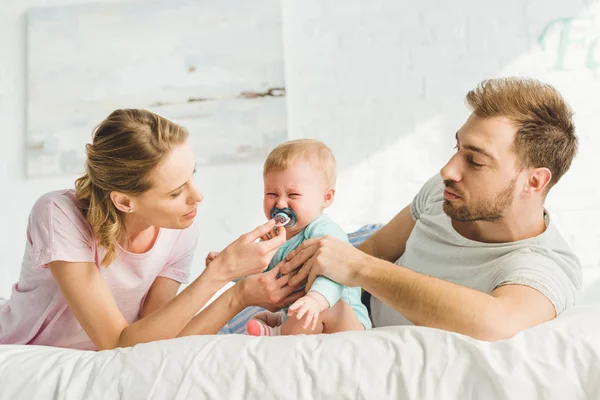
(326, 256)
(309, 307)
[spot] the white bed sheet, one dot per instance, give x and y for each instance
(556, 360)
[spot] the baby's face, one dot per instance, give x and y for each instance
(302, 187)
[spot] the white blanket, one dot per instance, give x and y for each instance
(556, 360)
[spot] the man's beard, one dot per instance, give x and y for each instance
(489, 210)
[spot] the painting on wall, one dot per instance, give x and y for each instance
(214, 67)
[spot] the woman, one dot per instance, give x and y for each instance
(103, 263)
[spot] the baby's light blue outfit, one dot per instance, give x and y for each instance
(332, 291)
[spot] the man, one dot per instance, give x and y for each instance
(475, 252)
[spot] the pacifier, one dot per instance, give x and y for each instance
(285, 217)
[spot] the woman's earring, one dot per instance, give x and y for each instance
(131, 210)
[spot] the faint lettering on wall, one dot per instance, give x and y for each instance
(575, 42)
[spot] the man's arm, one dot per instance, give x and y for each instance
(428, 301)
(422, 299)
(389, 242)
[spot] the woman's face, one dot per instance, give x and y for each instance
(172, 201)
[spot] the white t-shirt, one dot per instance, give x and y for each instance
(434, 248)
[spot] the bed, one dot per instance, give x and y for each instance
(556, 360)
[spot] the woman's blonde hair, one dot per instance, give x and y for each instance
(310, 150)
(126, 147)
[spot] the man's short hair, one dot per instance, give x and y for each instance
(545, 129)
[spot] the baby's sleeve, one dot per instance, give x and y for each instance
(58, 231)
(332, 291)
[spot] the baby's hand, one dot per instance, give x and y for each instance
(309, 307)
(211, 256)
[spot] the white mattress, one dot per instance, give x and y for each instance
(556, 360)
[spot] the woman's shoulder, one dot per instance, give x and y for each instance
(59, 205)
(62, 196)
(58, 230)
(64, 199)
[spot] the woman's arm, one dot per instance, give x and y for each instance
(162, 291)
(94, 306)
(264, 290)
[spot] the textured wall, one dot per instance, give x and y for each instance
(215, 67)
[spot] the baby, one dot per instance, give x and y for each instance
(299, 180)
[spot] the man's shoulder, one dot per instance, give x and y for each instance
(548, 264)
(552, 244)
(545, 252)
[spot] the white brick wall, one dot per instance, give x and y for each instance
(382, 82)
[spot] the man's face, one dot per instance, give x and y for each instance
(482, 175)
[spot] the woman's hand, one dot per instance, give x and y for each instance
(268, 291)
(246, 256)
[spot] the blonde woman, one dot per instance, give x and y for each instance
(104, 262)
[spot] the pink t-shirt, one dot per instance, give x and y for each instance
(37, 313)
